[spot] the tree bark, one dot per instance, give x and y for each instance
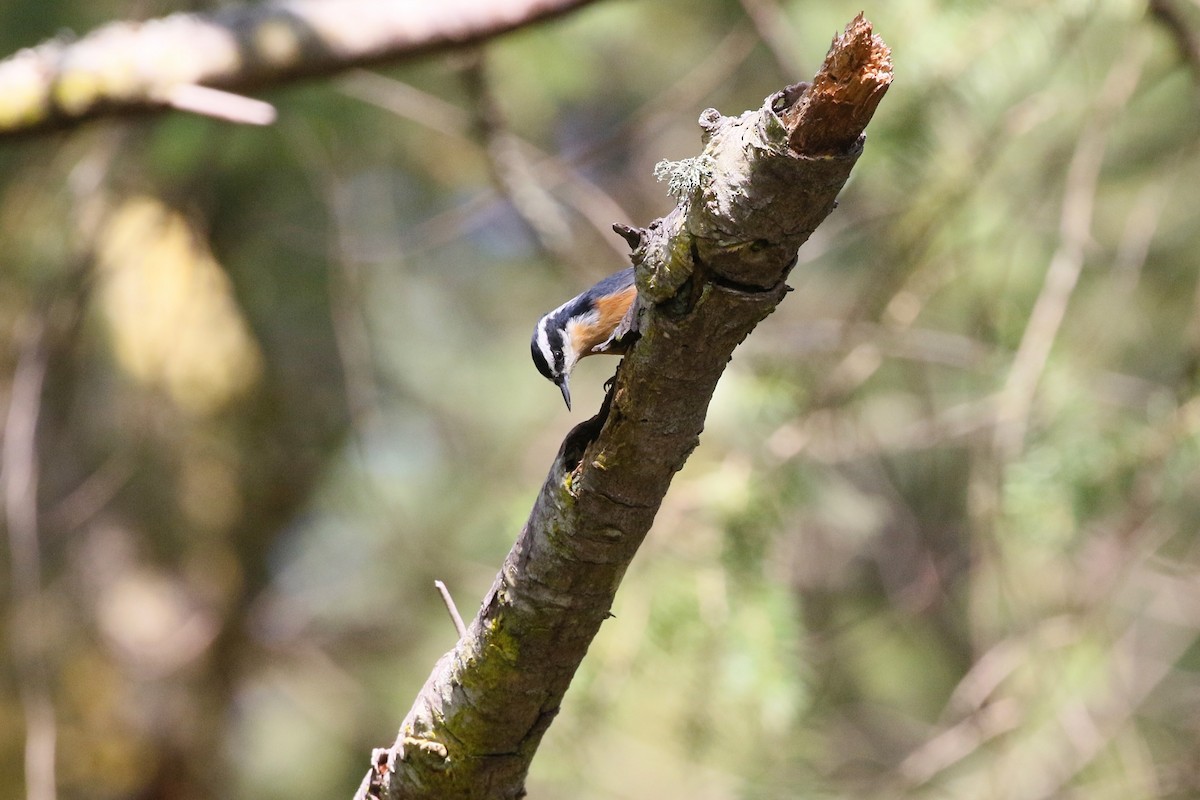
(707, 273)
(140, 67)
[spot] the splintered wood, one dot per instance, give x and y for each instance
(843, 96)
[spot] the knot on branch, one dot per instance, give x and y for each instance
(632, 236)
(711, 121)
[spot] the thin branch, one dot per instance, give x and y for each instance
(918, 272)
(979, 716)
(955, 743)
(1187, 40)
(138, 67)
(19, 461)
(451, 609)
(832, 437)
(678, 94)
(348, 288)
(1142, 658)
(1140, 228)
(777, 33)
(512, 174)
(1075, 224)
(591, 202)
(800, 340)
(587, 198)
(707, 274)
(92, 495)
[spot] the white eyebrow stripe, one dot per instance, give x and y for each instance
(543, 343)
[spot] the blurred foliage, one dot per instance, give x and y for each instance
(287, 386)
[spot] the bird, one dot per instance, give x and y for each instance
(600, 320)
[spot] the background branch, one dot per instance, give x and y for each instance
(1062, 275)
(136, 67)
(19, 462)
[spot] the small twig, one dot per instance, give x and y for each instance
(220, 105)
(459, 625)
(372, 786)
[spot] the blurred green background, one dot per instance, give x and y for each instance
(939, 539)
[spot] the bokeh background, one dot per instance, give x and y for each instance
(261, 387)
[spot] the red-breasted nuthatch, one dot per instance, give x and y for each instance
(596, 321)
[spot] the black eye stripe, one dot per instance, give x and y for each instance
(539, 361)
(547, 347)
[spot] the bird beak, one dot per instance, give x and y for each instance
(566, 392)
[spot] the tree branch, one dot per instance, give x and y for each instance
(707, 273)
(139, 67)
(19, 485)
